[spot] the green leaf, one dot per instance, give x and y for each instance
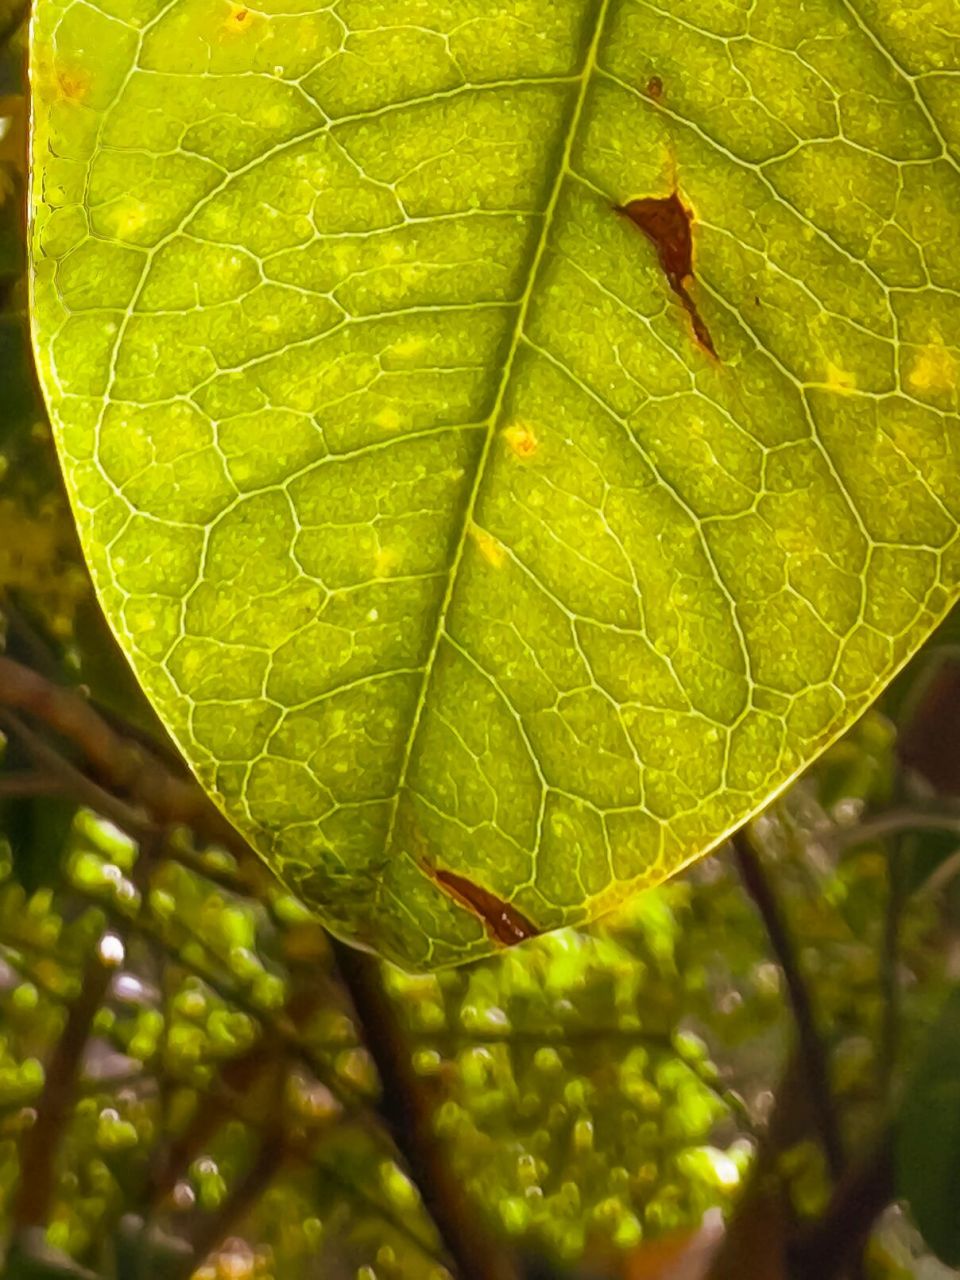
(407, 479)
(928, 1137)
(31, 1258)
(37, 829)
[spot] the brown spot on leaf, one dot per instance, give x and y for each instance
(238, 18)
(74, 84)
(654, 88)
(504, 922)
(667, 223)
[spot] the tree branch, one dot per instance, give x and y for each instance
(408, 1113)
(211, 1230)
(25, 783)
(944, 818)
(31, 1204)
(122, 765)
(810, 1046)
(825, 1249)
(41, 1141)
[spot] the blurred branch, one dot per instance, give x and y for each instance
(889, 961)
(235, 1094)
(941, 817)
(407, 1110)
(277, 1026)
(124, 766)
(453, 1036)
(810, 1046)
(29, 783)
(165, 798)
(70, 780)
(827, 1248)
(35, 1184)
(38, 1150)
(237, 1078)
(561, 1037)
(355, 1192)
(754, 1244)
(211, 1230)
(23, 639)
(239, 1093)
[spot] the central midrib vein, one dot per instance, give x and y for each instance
(549, 213)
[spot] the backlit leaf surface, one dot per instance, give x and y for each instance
(433, 528)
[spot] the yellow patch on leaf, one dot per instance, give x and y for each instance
(385, 561)
(407, 348)
(74, 83)
(521, 440)
(388, 419)
(488, 546)
(53, 78)
(239, 19)
(934, 369)
(840, 380)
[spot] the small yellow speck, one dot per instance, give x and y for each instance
(385, 561)
(128, 216)
(388, 419)
(407, 348)
(488, 546)
(935, 369)
(239, 18)
(521, 439)
(840, 380)
(74, 83)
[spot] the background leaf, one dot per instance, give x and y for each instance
(432, 527)
(928, 1137)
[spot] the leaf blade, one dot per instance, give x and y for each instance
(431, 528)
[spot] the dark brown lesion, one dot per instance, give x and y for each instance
(504, 922)
(668, 225)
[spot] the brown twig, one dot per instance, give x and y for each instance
(73, 781)
(31, 1204)
(810, 1045)
(826, 1249)
(889, 959)
(408, 1112)
(211, 1230)
(560, 1036)
(125, 767)
(277, 1026)
(26, 783)
(41, 1141)
(236, 1078)
(754, 1246)
(943, 817)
